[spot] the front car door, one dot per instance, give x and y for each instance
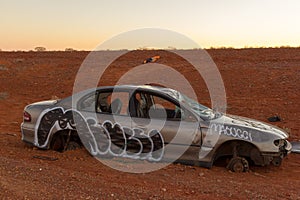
(176, 126)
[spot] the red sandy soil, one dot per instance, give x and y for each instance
(259, 83)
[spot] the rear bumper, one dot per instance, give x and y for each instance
(27, 134)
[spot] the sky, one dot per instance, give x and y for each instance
(84, 24)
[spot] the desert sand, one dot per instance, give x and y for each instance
(259, 83)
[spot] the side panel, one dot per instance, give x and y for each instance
(179, 137)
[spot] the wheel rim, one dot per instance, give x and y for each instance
(238, 164)
(238, 167)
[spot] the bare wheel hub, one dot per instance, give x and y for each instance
(238, 164)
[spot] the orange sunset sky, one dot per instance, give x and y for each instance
(83, 25)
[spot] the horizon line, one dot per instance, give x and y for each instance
(145, 48)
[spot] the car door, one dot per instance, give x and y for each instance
(106, 113)
(177, 127)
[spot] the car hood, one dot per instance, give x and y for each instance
(248, 123)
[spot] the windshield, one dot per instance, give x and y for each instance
(203, 111)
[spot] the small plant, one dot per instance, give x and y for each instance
(39, 49)
(3, 68)
(70, 49)
(3, 95)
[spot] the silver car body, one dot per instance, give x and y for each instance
(207, 135)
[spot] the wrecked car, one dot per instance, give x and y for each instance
(151, 123)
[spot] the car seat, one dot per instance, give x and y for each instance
(115, 106)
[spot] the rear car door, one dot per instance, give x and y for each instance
(106, 113)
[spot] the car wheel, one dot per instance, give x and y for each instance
(238, 164)
(58, 143)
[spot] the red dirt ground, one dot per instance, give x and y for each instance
(259, 83)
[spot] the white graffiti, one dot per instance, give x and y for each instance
(100, 139)
(230, 131)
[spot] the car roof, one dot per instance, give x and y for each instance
(153, 88)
